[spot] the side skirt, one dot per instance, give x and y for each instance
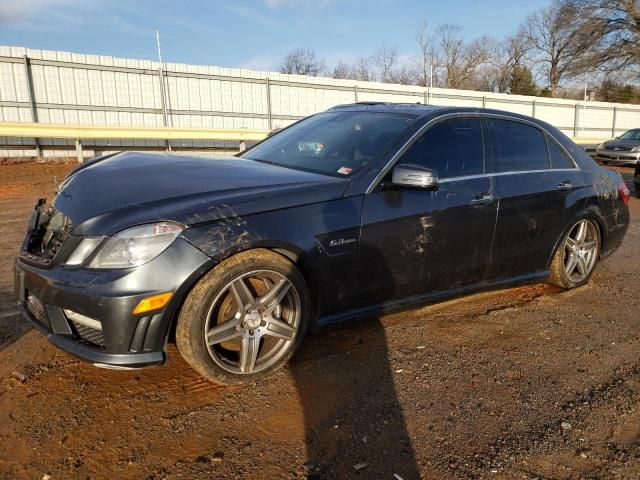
(429, 298)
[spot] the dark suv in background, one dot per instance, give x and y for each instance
(353, 212)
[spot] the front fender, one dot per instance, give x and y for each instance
(304, 234)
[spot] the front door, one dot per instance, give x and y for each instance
(415, 242)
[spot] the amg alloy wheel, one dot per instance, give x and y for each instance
(577, 255)
(245, 318)
(252, 322)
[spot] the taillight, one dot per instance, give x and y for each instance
(624, 192)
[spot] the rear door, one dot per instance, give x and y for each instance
(534, 179)
(415, 241)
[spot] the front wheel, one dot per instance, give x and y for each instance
(577, 255)
(245, 318)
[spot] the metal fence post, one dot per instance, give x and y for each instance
(533, 108)
(165, 113)
(576, 119)
(267, 83)
(355, 93)
(79, 154)
(613, 124)
(484, 101)
(426, 97)
(32, 102)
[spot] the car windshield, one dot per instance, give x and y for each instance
(332, 143)
(631, 135)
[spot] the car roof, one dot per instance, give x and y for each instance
(418, 109)
(421, 110)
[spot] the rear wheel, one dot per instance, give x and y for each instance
(577, 256)
(245, 318)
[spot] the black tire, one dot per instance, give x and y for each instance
(191, 325)
(559, 276)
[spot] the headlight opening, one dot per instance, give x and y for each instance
(129, 248)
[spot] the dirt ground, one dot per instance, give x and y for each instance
(522, 383)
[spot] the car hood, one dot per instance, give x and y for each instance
(115, 192)
(622, 143)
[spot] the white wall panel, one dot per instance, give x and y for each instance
(558, 115)
(626, 120)
(63, 87)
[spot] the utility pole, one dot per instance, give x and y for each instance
(163, 96)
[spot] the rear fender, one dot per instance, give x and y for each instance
(592, 212)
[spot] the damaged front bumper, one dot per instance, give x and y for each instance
(88, 313)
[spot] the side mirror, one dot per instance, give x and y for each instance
(414, 176)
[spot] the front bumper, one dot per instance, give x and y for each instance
(618, 158)
(113, 336)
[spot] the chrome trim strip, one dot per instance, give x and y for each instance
(481, 115)
(82, 319)
(500, 174)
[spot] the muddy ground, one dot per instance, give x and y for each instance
(522, 383)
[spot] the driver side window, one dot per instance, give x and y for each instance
(453, 148)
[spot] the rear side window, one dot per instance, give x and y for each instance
(518, 147)
(453, 148)
(559, 159)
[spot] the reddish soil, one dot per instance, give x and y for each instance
(528, 382)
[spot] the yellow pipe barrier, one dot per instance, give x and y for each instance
(589, 141)
(93, 132)
(83, 132)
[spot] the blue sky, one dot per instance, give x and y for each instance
(245, 33)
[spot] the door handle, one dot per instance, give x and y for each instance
(564, 186)
(482, 199)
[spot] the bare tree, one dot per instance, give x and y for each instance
(404, 75)
(562, 42)
(505, 57)
(342, 71)
(461, 60)
(363, 70)
(427, 56)
(617, 23)
(302, 62)
(386, 60)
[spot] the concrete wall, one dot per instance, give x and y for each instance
(70, 88)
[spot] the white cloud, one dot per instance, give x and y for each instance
(14, 11)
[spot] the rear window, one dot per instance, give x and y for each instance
(332, 143)
(518, 147)
(558, 157)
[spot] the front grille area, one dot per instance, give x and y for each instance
(615, 157)
(85, 334)
(618, 149)
(35, 307)
(90, 335)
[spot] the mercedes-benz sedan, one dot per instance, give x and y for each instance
(353, 212)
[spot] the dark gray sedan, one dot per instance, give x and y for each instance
(354, 212)
(623, 150)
